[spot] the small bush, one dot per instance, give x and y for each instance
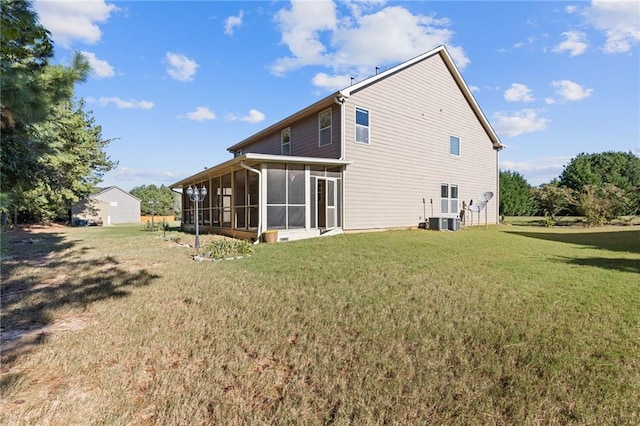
(220, 249)
(600, 204)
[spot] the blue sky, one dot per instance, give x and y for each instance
(176, 83)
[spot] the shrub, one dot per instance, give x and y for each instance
(600, 204)
(220, 249)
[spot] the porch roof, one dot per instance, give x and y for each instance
(253, 159)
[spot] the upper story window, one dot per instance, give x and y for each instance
(362, 125)
(285, 138)
(454, 146)
(324, 124)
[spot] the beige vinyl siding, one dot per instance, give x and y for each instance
(412, 115)
(304, 138)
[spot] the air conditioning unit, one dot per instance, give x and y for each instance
(438, 223)
(444, 223)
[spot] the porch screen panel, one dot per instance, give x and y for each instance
(240, 199)
(331, 203)
(296, 187)
(286, 196)
(276, 185)
(253, 188)
(296, 194)
(295, 217)
(216, 202)
(227, 192)
(313, 201)
(276, 217)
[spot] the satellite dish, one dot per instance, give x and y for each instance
(478, 206)
(485, 196)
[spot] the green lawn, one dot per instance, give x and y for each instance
(505, 325)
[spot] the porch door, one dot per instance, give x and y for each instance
(326, 205)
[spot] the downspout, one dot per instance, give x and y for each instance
(498, 221)
(341, 99)
(244, 166)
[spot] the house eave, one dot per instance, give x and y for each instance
(252, 159)
(282, 124)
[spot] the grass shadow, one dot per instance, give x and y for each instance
(622, 265)
(43, 274)
(619, 241)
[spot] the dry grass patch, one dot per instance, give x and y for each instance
(508, 325)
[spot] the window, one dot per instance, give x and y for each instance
(324, 123)
(454, 146)
(286, 141)
(286, 195)
(448, 198)
(362, 126)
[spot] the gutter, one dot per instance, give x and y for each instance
(251, 169)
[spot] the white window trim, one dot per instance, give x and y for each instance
(282, 142)
(459, 154)
(320, 128)
(449, 198)
(355, 123)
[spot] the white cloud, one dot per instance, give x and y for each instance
(232, 22)
(549, 101)
(570, 91)
(100, 67)
(300, 29)
(331, 82)
(570, 9)
(180, 67)
(524, 121)
(537, 170)
(122, 173)
(537, 164)
(121, 103)
(201, 114)
(70, 21)
(316, 35)
(518, 93)
(619, 20)
(575, 43)
(474, 88)
(253, 117)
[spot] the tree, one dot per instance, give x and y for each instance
(600, 204)
(72, 166)
(515, 194)
(51, 150)
(618, 168)
(164, 199)
(552, 198)
(23, 144)
(25, 50)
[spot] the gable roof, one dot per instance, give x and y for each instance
(110, 188)
(346, 92)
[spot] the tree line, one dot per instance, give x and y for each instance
(159, 200)
(600, 187)
(52, 150)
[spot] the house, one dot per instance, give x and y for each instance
(108, 206)
(407, 143)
